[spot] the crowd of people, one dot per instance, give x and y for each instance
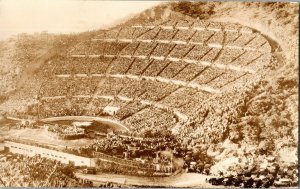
(98, 48)
(149, 118)
(162, 50)
(69, 87)
(138, 116)
(133, 116)
(234, 39)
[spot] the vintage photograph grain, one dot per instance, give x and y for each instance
(138, 94)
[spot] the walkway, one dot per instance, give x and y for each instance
(86, 118)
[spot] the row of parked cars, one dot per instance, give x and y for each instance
(250, 182)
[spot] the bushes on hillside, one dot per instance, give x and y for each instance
(201, 10)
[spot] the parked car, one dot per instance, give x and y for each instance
(257, 183)
(283, 182)
(266, 183)
(89, 170)
(237, 181)
(248, 182)
(228, 181)
(216, 181)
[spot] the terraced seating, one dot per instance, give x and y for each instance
(178, 98)
(155, 68)
(112, 86)
(208, 75)
(231, 37)
(150, 35)
(211, 55)
(189, 72)
(140, 31)
(138, 66)
(97, 106)
(79, 106)
(53, 108)
(81, 48)
(82, 86)
(149, 118)
(144, 89)
(81, 66)
(117, 102)
(260, 62)
(201, 37)
(155, 91)
(61, 66)
(164, 121)
(183, 36)
(228, 55)
(121, 65)
(246, 58)
(129, 49)
(166, 35)
(97, 47)
(189, 108)
(145, 49)
(243, 40)
(225, 78)
(216, 39)
(69, 87)
(133, 89)
(162, 50)
(258, 41)
(172, 69)
(153, 71)
(114, 48)
(55, 87)
(197, 52)
(100, 65)
(130, 109)
(180, 51)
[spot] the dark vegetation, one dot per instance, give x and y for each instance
(200, 10)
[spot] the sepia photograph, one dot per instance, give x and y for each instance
(149, 94)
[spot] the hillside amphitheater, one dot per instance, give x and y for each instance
(157, 75)
(176, 95)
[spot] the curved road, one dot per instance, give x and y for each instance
(86, 118)
(180, 180)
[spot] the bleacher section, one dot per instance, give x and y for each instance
(152, 73)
